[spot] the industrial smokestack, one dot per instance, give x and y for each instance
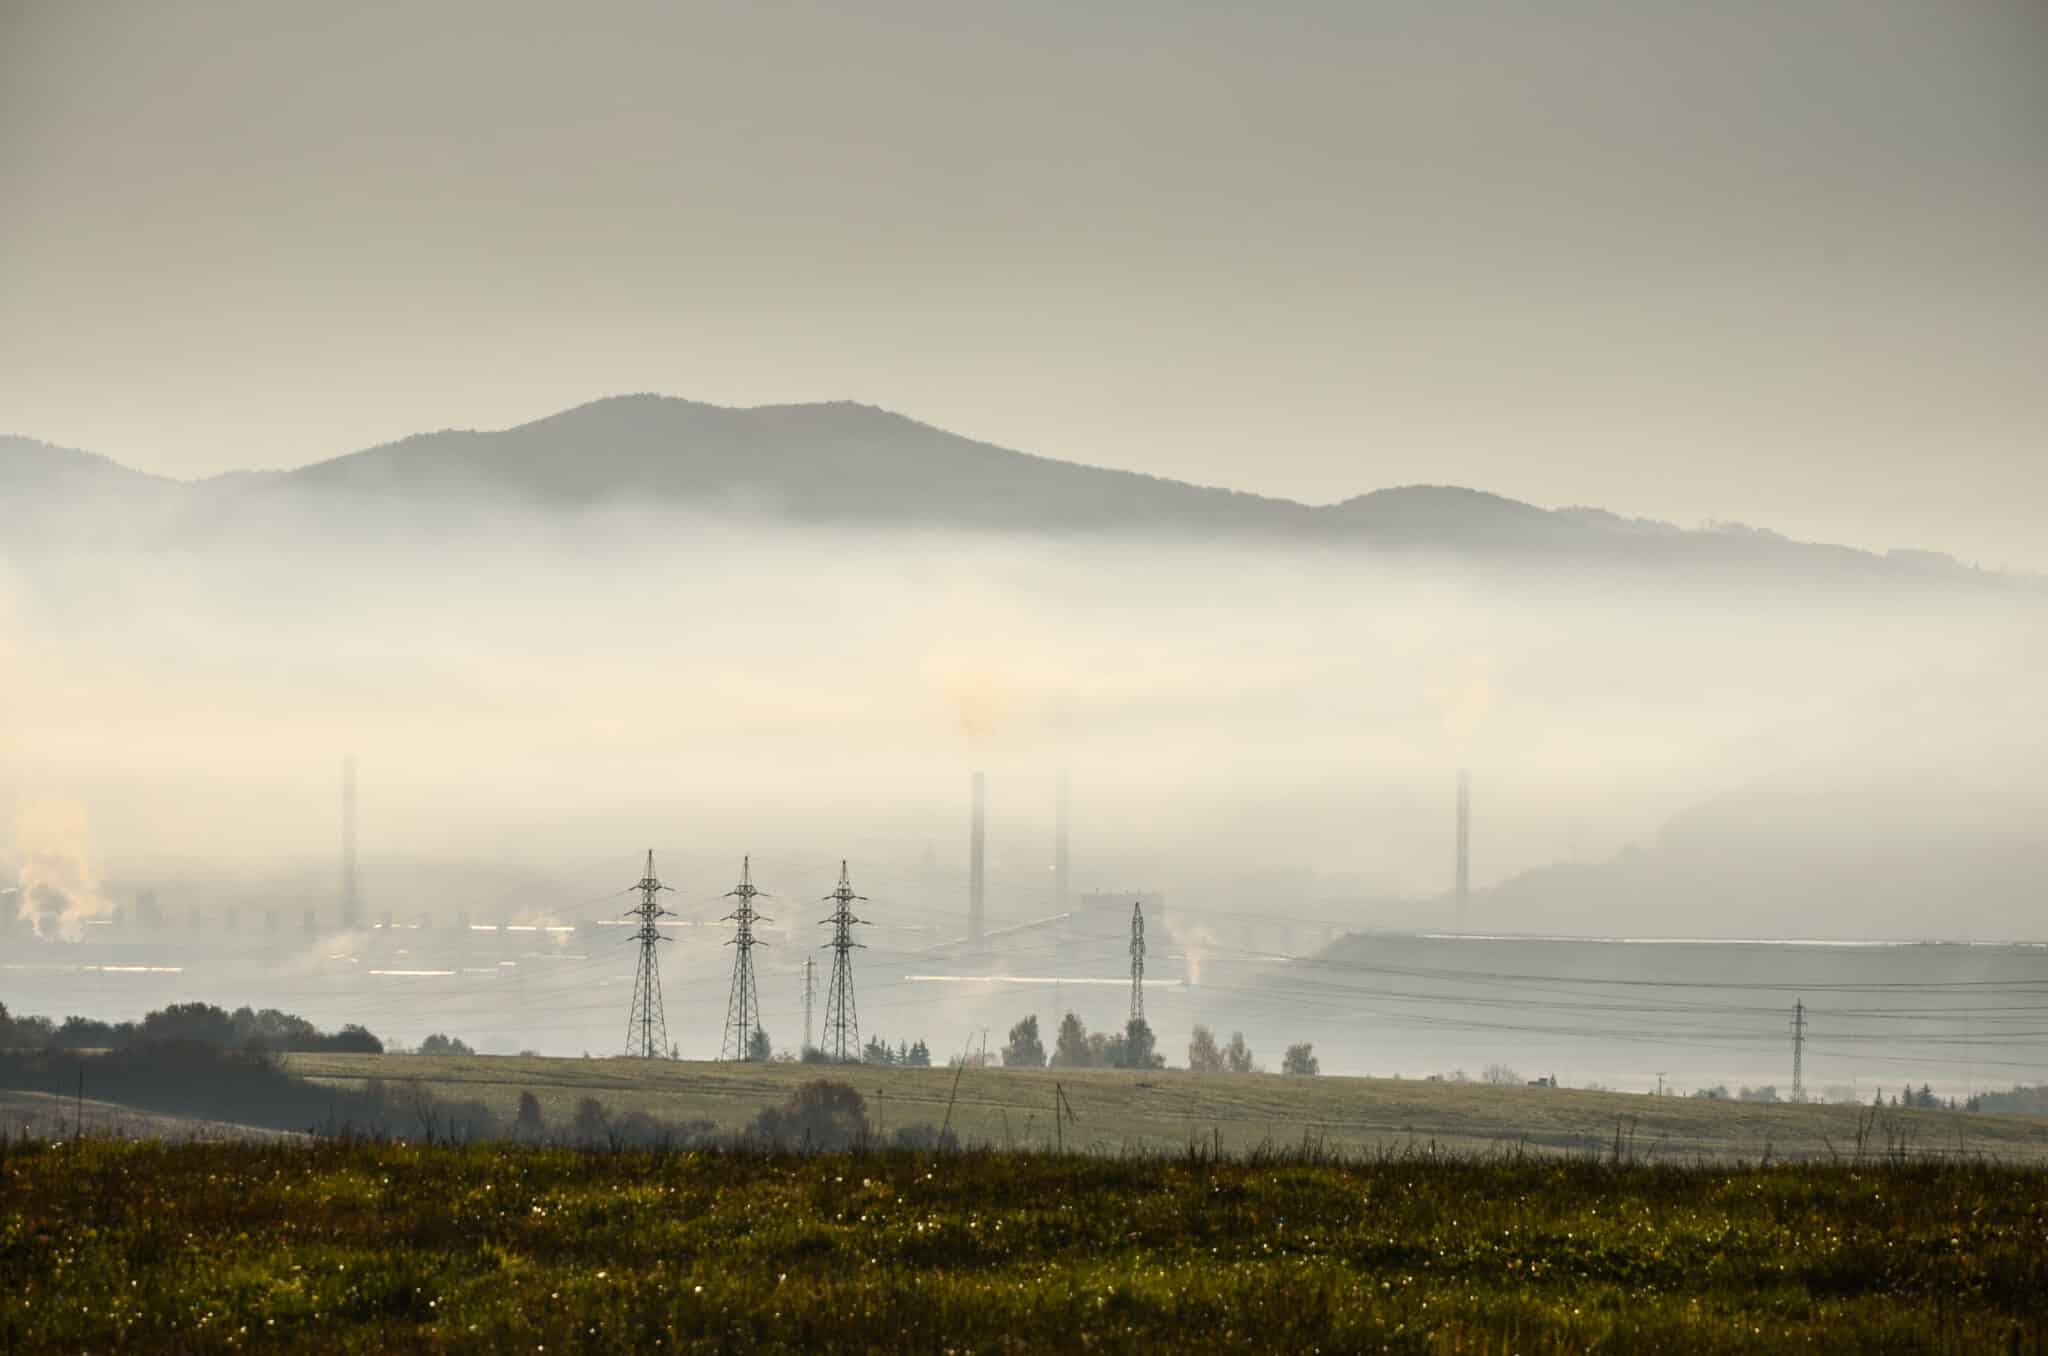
(977, 876)
(349, 915)
(1464, 844)
(1059, 847)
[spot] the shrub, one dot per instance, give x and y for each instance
(926, 1137)
(439, 1044)
(530, 1123)
(1300, 1059)
(821, 1115)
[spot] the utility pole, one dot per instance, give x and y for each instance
(1137, 961)
(810, 987)
(842, 1020)
(743, 1005)
(646, 1026)
(1799, 1050)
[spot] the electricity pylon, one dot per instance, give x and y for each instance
(646, 1026)
(743, 1005)
(842, 1021)
(1137, 961)
(1799, 1050)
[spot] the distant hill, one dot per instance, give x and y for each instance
(1764, 862)
(30, 469)
(850, 464)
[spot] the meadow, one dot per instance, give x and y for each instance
(1117, 1111)
(360, 1246)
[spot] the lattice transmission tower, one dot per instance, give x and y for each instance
(842, 1020)
(1137, 961)
(1799, 1050)
(646, 1026)
(743, 1005)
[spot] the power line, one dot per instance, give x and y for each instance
(842, 1020)
(646, 1025)
(743, 1004)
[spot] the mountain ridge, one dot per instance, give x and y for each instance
(849, 463)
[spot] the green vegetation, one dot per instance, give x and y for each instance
(374, 1247)
(1124, 1111)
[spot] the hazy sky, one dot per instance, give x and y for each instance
(1782, 262)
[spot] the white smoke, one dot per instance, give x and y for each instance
(57, 888)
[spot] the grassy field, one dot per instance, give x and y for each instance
(109, 1245)
(1167, 1110)
(42, 1115)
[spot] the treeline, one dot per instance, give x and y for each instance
(245, 1029)
(1135, 1047)
(217, 1083)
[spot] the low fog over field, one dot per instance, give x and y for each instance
(551, 651)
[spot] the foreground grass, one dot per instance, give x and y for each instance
(109, 1245)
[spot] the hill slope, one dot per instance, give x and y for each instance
(848, 464)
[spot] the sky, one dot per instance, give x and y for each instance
(1777, 263)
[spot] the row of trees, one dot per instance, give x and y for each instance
(1135, 1047)
(247, 1029)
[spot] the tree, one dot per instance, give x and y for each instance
(530, 1124)
(1300, 1059)
(878, 1051)
(821, 1115)
(355, 1039)
(201, 1022)
(1138, 1048)
(441, 1044)
(1203, 1056)
(1237, 1056)
(920, 1055)
(1072, 1050)
(758, 1046)
(592, 1121)
(1501, 1076)
(1025, 1050)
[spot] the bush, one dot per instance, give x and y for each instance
(822, 1115)
(926, 1137)
(593, 1123)
(530, 1123)
(439, 1044)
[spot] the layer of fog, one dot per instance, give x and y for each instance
(559, 693)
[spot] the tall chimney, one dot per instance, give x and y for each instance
(977, 878)
(1464, 844)
(1059, 847)
(349, 917)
